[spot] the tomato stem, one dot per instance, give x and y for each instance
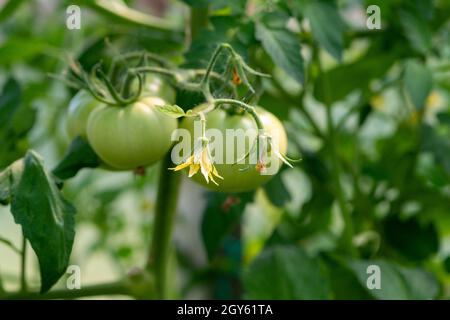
(347, 236)
(199, 20)
(247, 108)
(166, 205)
(114, 288)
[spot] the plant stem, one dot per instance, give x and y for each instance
(248, 108)
(23, 266)
(166, 205)
(199, 20)
(347, 237)
(114, 288)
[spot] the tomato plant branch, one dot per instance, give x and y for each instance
(114, 288)
(248, 108)
(199, 19)
(166, 204)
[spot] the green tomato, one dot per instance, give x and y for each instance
(133, 136)
(237, 177)
(80, 107)
(156, 86)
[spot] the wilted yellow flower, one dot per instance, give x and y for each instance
(265, 148)
(200, 160)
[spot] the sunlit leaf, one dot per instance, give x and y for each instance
(46, 217)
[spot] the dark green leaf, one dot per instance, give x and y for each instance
(8, 9)
(276, 191)
(447, 264)
(198, 3)
(346, 78)
(9, 102)
(397, 283)
(47, 219)
(418, 83)
(438, 143)
(80, 155)
(281, 44)
(284, 272)
(327, 25)
(414, 240)
(223, 29)
(16, 119)
(343, 282)
(417, 31)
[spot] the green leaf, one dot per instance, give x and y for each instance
(438, 143)
(198, 3)
(417, 31)
(327, 25)
(16, 119)
(172, 111)
(18, 49)
(79, 155)
(346, 78)
(418, 83)
(343, 282)
(222, 29)
(281, 44)
(277, 191)
(397, 283)
(8, 9)
(9, 102)
(284, 273)
(222, 214)
(414, 240)
(47, 219)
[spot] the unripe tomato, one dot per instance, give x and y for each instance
(156, 86)
(136, 135)
(238, 177)
(80, 107)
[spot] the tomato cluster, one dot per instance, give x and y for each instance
(139, 135)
